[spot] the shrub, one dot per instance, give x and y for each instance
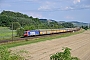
(6, 54)
(66, 55)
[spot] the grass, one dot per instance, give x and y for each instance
(6, 33)
(18, 43)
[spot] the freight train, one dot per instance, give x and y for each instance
(48, 31)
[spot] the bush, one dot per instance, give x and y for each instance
(85, 27)
(66, 55)
(5, 54)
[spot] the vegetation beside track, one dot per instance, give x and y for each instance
(5, 54)
(30, 41)
(6, 33)
(65, 55)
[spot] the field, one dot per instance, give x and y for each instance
(79, 44)
(6, 33)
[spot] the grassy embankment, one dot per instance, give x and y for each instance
(6, 33)
(29, 41)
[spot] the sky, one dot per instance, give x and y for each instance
(58, 10)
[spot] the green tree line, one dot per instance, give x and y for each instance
(27, 22)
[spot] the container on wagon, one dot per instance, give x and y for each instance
(43, 32)
(49, 32)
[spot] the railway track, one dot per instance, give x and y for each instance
(29, 38)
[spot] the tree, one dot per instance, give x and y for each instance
(31, 27)
(5, 20)
(67, 25)
(20, 32)
(23, 20)
(15, 25)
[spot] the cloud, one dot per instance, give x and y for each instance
(31, 0)
(47, 6)
(67, 5)
(76, 1)
(87, 6)
(35, 15)
(82, 4)
(69, 17)
(56, 6)
(34, 1)
(80, 7)
(67, 8)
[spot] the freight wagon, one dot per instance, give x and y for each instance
(48, 31)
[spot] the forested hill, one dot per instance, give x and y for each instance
(7, 17)
(14, 14)
(27, 22)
